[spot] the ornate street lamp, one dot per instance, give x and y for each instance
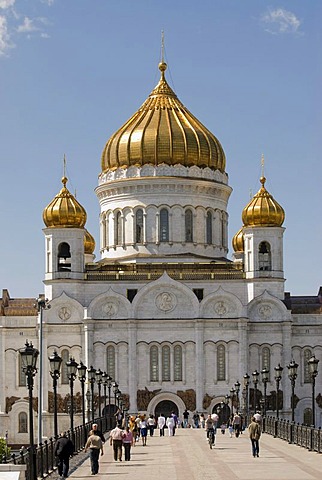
(41, 304)
(232, 394)
(292, 374)
(226, 402)
(246, 386)
(265, 379)
(71, 373)
(105, 384)
(115, 389)
(237, 390)
(255, 376)
(313, 369)
(278, 378)
(82, 378)
(55, 363)
(29, 356)
(91, 374)
(99, 381)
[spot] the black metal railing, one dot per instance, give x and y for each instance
(45, 453)
(301, 435)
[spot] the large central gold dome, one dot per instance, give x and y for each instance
(163, 131)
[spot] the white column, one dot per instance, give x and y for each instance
(2, 372)
(199, 334)
(132, 366)
(286, 358)
(89, 338)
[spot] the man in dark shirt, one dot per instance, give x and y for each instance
(64, 448)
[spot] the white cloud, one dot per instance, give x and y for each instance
(280, 21)
(5, 43)
(27, 26)
(6, 3)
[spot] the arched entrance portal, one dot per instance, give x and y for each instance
(166, 407)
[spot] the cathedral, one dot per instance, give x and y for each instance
(164, 311)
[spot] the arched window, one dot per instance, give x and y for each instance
(110, 361)
(221, 362)
(306, 357)
(154, 364)
(177, 363)
(22, 423)
(165, 363)
(209, 228)
(22, 376)
(188, 224)
(266, 359)
(64, 372)
(64, 257)
(264, 256)
(307, 417)
(164, 225)
(139, 226)
(118, 229)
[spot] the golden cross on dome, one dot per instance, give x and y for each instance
(162, 46)
(262, 163)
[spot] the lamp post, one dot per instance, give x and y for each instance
(237, 390)
(42, 304)
(265, 379)
(226, 401)
(71, 373)
(29, 356)
(313, 369)
(88, 403)
(55, 363)
(82, 378)
(246, 386)
(91, 373)
(232, 393)
(105, 384)
(98, 377)
(278, 378)
(292, 374)
(115, 390)
(255, 375)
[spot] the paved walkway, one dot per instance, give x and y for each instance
(187, 456)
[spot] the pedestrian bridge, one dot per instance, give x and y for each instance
(187, 456)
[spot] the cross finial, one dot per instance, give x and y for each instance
(262, 163)
(64, 166)
(162, 46)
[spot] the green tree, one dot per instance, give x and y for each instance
(4, 450)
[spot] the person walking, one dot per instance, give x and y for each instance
(116, 440)
(195, 420)
(175, 419)
(237, 424)
(161, 424)
(170, 425)
(185, 418)
(143, 430)
(98, 432)
(64, 449)
(127, 443)
(254, 431)
(95, 445)
(151, 425)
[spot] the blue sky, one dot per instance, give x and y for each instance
(72, 72)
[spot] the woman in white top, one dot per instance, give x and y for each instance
(170, 425)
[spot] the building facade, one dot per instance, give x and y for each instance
(163, 311)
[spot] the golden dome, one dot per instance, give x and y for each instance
(64, 210)
(89, 242)
(163, 131)
(238, 241)
(263, 210)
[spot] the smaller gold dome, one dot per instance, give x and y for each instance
(64, 210)
(263, 210)
(89, 242)
(238, 241)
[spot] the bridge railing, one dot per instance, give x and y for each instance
(302, 435)
(45, 452)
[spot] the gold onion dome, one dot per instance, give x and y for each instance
(163, 131)
(238, 241)
(64, 210)
(263, 210)
(89, 242)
